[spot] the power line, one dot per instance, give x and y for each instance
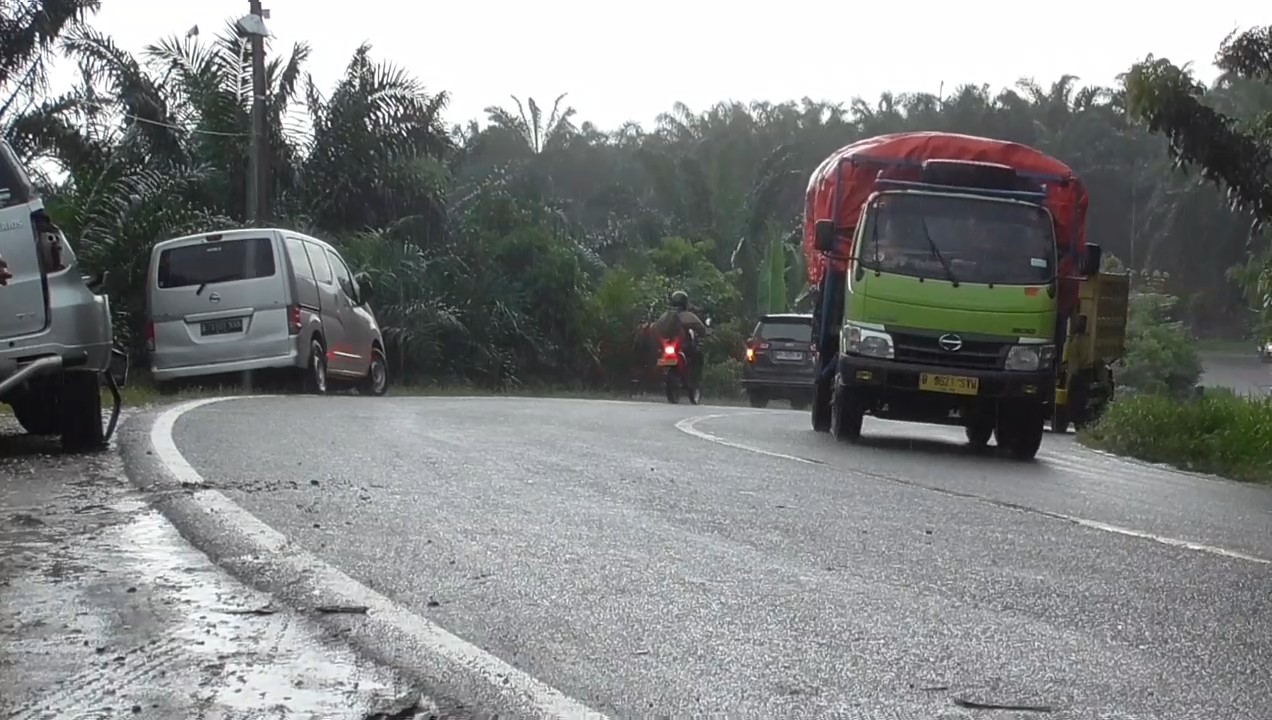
(159, 123)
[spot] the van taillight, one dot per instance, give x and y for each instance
(293, 319)
(150, 336)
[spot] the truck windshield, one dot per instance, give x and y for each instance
(975, 240)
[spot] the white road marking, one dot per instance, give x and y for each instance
(689, 426)
(546, 702)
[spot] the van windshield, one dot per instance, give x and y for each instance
(215, 262)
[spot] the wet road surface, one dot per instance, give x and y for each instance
(1243, 372)
(658, 561)
(106, 612)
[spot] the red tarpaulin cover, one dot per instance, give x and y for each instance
(900, 157)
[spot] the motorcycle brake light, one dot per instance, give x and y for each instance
(669, 349)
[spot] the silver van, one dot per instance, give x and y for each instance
(261, 299)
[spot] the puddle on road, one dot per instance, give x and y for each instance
(105, 611)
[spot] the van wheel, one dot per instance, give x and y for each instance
(316, 377)
(377, 380)
(81, 421)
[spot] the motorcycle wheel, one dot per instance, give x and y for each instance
(673, 386)
(695, 396)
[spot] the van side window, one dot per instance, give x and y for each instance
(299, 260)
(322, 271)
(343, 276)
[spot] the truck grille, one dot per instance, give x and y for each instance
(924, 349)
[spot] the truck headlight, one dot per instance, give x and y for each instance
(1026, 358)
(867, 341)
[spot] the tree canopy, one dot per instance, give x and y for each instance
(528, 247)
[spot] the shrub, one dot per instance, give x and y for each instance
(722, 380)
(1160, 358)
(1216, 432)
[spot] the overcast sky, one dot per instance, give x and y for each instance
(631, 60)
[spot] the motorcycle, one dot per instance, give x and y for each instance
(680, 374)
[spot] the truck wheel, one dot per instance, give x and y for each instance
(821, 406)
(979, 430)
(847, 414)
(81, 405)
(758, 399)
(38, 415)
(1060, 419)
(1020, 431)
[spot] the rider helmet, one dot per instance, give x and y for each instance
(680, 300)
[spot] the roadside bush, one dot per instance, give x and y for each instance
(722, 381)
(1161, 358)
(1218, 432)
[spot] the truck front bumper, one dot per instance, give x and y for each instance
(890, 377)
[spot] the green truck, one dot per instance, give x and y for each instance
(954, 285)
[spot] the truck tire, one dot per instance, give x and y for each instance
(979, 430)
(847, 414)
(758, 398)
(81, 416)
(38, 415)
(822, 406)
(1020, 431)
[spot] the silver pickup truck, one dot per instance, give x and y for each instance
(56, 342)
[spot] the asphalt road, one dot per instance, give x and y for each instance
(669, 561)
(1242, 372)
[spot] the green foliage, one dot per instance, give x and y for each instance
(1217, 433)
(723, 380)
(530, 250)
(1160, 357)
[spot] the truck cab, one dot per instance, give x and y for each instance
(950, 313)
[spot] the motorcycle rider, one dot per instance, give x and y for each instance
(675, 324)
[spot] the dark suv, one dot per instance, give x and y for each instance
(780, 361)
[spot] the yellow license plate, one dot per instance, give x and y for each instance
(953, 384)
(665, 362)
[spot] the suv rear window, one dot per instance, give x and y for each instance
(214, 262)
(781, 329)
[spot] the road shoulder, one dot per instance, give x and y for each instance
(109, 612)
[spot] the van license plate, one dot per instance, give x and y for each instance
(221, 327)
(952, 384)
(787, 355)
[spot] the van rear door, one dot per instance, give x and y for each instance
(219, 298)
(23, 310)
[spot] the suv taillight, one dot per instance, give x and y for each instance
(150, 336)
(48, 242)
(293, 319)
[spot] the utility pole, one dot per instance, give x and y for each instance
(258, 175)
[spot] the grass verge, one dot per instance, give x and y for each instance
(1219, 433)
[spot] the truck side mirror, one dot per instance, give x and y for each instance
(824, 235)
(1092, 259)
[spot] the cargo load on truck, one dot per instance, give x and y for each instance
(844, 181)
(949, 266)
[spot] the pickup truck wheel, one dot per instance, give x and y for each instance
(822, 397)
(758, 399)
(377, 380)
(38, 415)
(81, 416)
(846, 414)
